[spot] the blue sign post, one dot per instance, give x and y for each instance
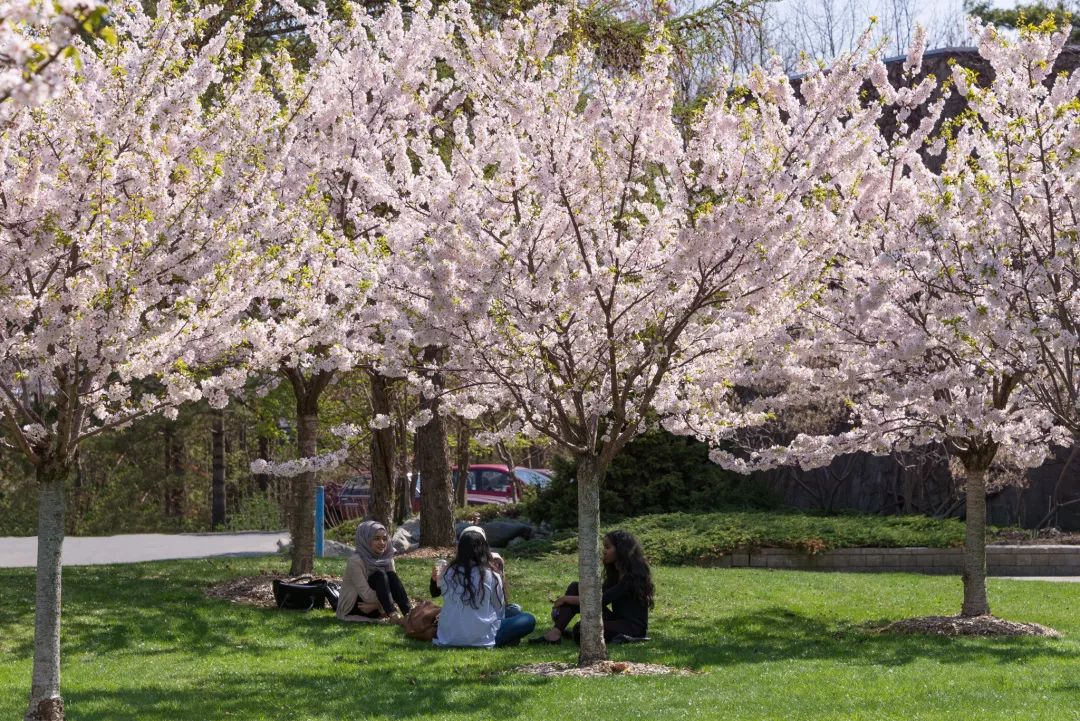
(320, 518)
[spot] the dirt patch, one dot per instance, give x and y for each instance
(973, 626)
(604, 668)
(253, 590)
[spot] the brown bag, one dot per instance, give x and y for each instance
(422, 621)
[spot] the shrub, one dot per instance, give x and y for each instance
(656, 473)
(257, 512)
(682, 538)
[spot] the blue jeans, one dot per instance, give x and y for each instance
(516, 625)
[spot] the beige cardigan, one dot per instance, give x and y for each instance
(354, 587)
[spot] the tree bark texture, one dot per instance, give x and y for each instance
(464, 460)
(976, 602)
(175, 496)
(46, 703)
(433, 464)
(589, 475)
(403, 486)
(302, 521)
(300, 508)
(382, 454)
(217, 490)
(263, 479)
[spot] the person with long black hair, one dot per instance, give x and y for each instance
(475, 611)
(628, 594)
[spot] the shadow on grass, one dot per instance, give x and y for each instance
(778, 634)
(111, 611)
(146, 611)
(297, 695)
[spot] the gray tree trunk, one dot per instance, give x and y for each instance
(976, 602)
(263, 479)
(464, 460)
(302, 520)
(217, 486)
(433, 464)
(382, 454)
(589, 475)
(175, 495)
(403, 490)
(300, 510)
(46, 704)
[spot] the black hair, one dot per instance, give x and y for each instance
(472, 552)
(630, 562)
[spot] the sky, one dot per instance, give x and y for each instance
(817, 26)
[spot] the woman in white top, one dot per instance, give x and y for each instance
(475, 612)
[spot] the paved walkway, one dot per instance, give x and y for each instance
(135, 548)
(1058, 579)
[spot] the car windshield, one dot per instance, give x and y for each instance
(533, 478)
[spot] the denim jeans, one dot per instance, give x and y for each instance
(516, 625)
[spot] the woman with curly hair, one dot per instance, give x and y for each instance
(628, 594)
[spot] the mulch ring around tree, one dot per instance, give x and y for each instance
(970, 626)
(434, 552)
(254, 590)
(604, 668)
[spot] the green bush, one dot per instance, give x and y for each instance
(257, 512)
(682, 538)
(656, 473)
(344, 532)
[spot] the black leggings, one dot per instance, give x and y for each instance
(612, 626)
(387, 586)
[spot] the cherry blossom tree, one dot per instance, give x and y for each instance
(1024, 145)
(35, 42)
(918, 325)
(128, 203)
(588, 256)
(370, 86)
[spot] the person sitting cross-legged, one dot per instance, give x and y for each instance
(628, 590)
(475, 611)
(371, 587)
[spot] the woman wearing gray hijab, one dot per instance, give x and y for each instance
(370, 587)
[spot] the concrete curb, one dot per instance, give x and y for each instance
(1048, 560)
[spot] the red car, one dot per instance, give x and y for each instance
(487, 483)
(491, 482)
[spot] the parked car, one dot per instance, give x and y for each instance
(351, 499)
(491, 482)
(347, 499)
(486, 483)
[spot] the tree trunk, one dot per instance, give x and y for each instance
(974, 576)
(464, 460)
(302, 520)
(300, 506)
(217, 494)
(403, 490)
(433, 465)
(382, 454)
(263, 479)
(174, 472)
(589, 474)
(46, 704)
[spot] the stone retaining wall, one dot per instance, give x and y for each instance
(1050, 560)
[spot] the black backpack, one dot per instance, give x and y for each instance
(300, 595)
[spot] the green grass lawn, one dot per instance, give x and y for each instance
(141, 642)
